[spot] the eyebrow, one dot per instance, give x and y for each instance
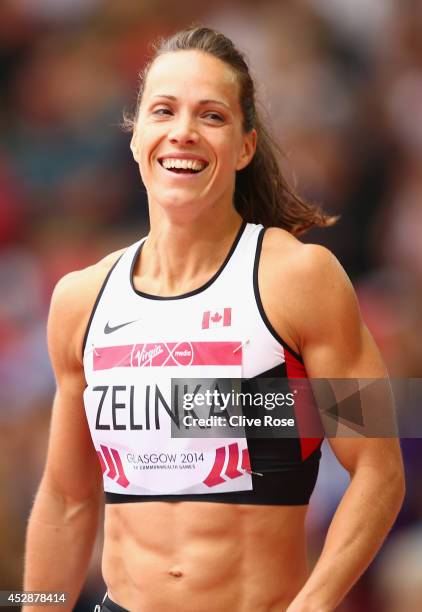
(202, 102)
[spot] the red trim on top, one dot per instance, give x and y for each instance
(306, 412)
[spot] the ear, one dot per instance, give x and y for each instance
(248, 150)
(134, 146)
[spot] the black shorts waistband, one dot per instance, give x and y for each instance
(109, 606)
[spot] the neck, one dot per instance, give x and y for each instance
(181, 255)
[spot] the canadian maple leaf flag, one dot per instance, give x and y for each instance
(217, 318)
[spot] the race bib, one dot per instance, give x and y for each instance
(135, 421)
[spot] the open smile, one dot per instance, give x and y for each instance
(178, 165)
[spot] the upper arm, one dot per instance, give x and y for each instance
(72, 469)
(333, 339)
(334, 343)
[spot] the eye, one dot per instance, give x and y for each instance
(161, 112)
(214, 117)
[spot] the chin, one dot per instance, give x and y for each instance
(178, 201)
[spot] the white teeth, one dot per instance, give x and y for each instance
(184, 164)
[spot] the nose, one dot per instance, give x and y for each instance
(183, 131)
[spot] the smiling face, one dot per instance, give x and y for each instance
(188, 138)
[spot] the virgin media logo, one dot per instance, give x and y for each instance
(162, 354)
(151, 354)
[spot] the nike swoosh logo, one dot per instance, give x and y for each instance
(110, 330)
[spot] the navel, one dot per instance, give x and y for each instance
(175, 572)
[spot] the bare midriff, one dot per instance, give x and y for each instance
(204, 557)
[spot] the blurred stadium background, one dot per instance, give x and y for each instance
(342, 83)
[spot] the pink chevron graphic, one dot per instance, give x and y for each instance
(246, 463)
(101, 460)
(122, 480)
(215, 476)
(112, 465)
(231, 470)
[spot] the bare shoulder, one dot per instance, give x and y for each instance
(283, 247)
(311, 267)
(304, 285)
(71, 305)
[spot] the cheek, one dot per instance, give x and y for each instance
(234, 145)
(144, 165)
(149, 136)
(146, 145)
(229, 157)
(225, 145)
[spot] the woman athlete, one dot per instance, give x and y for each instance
(204, 525)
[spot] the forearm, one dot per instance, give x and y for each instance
(359, 526)
(60, 538)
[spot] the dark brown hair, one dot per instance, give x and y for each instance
(262, 194)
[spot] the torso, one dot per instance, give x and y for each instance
(204, 556)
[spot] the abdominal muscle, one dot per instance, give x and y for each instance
(204, 557)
